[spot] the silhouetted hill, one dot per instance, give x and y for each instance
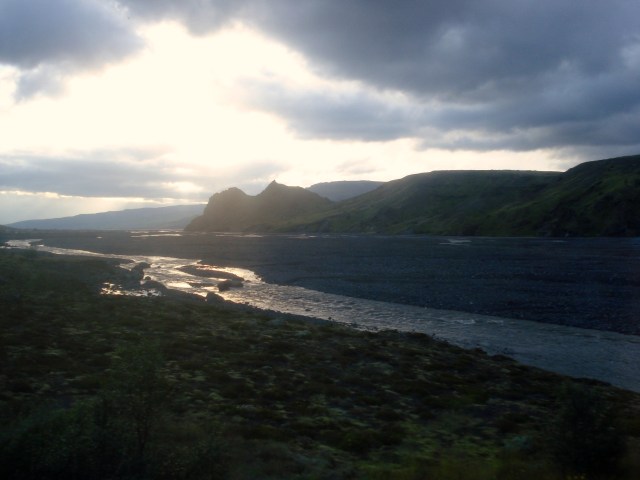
(339, 191)
(599, 198)
(174, 217)
(235, 211)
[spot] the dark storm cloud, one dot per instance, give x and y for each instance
(522, 75)
(513, 75)
(485, 74)
(46, 39)
(462, 51)
(200, 16)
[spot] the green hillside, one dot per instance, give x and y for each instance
(599, 198)
(445, 202)
(343, 190)
(594, 198)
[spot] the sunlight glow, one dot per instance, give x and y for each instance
(20, 205)
(183, 102)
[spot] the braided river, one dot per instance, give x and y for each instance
(579, 352)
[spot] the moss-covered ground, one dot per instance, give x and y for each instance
(96, 386)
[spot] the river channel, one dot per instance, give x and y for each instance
(602, 355)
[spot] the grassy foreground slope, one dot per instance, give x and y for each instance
(125, 387)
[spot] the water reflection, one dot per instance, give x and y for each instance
(606, 356)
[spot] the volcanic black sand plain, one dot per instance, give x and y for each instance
(583, 282)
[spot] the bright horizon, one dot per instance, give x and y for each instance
(128, 104)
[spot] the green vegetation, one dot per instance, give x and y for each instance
(437, 203)
(586, 439)
(594, 198)
(343, 190)
(600, 198)
(124, 387)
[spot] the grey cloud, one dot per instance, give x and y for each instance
(52, 38)
(44, 79)
(525, 75)
(573, 116)
(118, 173)
(92, 176)
(618, 134)
(459, 50)
(482, 75)
(356, 115)
(502, 74)
(462, 51)
(200, 16)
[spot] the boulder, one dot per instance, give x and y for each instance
(213, 298)
(225, 285)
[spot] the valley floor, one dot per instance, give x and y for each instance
(581, 282)
(97, 386)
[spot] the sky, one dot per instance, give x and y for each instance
(108, 104)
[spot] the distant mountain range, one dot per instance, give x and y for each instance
(174, 217)
(592, 199)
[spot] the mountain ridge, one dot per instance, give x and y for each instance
(597, 198)
(442, 202)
